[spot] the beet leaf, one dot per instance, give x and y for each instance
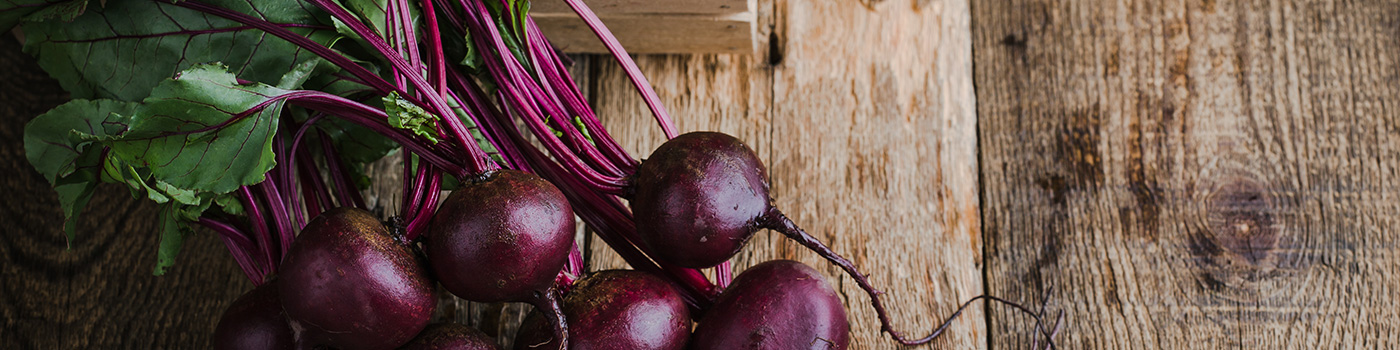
(12, 11)
(73, 165)
(405, 115)
(204, 131)
(124, 49)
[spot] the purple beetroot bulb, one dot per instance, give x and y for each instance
(776, 305)
(255, 321)
(451, 336)
(502, 239)
(616, 309)
(351, 286)
(699, 198)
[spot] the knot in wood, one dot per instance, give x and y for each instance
(1240, 217)
(1236, 244)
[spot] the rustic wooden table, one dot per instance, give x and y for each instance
(1176, 174)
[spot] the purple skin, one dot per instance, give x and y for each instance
(503, 238)
(616, 309)
(699, 198)
(451, 336)
(351, 286)
(780, 304)
(255, 322)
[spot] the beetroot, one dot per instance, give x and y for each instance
(503, 238)
(699, 198)
(255, 322)
(780, 304)
(451, 336)
(351, 286)
(616, 309)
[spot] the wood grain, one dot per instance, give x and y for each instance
(98, 294)
(1192, 174)
(870, 148)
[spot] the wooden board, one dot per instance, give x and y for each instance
(610, 7)
(651, 34)
(660, 26)
(1193, 174)
(872, 151)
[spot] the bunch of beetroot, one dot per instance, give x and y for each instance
(480, 104)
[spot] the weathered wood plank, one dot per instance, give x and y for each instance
(1192, 174)
(654, 33)
(875, 153)
(870, 148)
(98, 294)
(608, 7)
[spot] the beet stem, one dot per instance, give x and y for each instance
(519, 91)
(557, 74)
(346, 193)
(279, 215)
(244, 264)
(413, 182)
(375, 120)
(775, 220)
(420, 220)
(477, 101)
(633, 73)
(438, 73)
(548, 94)
(724, 273)
(262, 237)
(238, 246)
(314, 191)
(294, 154)
(477, 159)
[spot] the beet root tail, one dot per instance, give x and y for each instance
(775, 220)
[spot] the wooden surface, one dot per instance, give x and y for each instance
(1193, 174)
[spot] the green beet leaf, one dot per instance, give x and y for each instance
(12, 11)
(408, 116)
(203, 131)
(65, 11)
(55, 145)
(356, 144)
(124, 49)
(172, 238)
(375, 14)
